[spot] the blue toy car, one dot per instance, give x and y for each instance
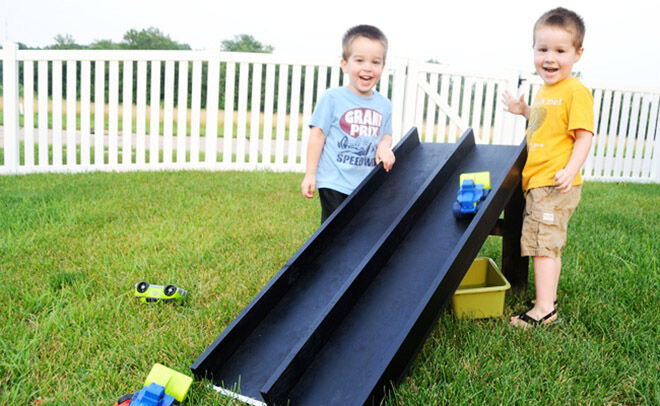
(152, 395)
(473, 191)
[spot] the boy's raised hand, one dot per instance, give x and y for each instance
(515, 105)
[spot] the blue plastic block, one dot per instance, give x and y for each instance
(152, 395)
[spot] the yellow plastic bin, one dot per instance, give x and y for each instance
(481, 292)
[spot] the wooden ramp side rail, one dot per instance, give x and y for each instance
(276, 388)
(232, 336)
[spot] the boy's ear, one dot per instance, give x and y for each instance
(578, 54)
(343, 63)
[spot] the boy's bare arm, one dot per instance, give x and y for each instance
(384, 153)
(515, 105)
(564, 177)
(314, 149)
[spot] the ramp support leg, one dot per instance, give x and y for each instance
(514, 267)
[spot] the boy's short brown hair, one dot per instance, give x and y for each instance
(566, 19)
(367, 31)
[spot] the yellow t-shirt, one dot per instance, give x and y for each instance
(556, 113)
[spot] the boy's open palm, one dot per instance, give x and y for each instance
(514, 105)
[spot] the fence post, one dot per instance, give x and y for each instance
(398, 84)
(10, 104)
(512, 124)
(655, 164)
(410, 98)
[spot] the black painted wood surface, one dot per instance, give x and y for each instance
(349, 312)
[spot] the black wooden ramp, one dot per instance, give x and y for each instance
(349, 312)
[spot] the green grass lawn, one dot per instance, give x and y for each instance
(73, 246)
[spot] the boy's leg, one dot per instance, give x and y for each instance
(330, 200)
(543, 236)
(546, 277)
(558, 267)
(556, 281)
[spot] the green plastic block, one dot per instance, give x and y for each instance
(479, 178)
(176, 384)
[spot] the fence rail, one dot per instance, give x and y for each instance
(81, 110)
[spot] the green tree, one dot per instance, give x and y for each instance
(104, 44)
(150, 38)
(245, 43)
(65, 41)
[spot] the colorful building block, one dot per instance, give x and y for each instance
(175, 383)
(474, 188)
(152, 395)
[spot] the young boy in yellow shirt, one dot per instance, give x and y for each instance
(559, 133)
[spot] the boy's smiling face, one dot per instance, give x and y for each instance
(364, 65)
(554, 53)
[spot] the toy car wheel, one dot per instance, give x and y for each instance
(142, 287)
(456, 209)
(170, 290)
(125, 398)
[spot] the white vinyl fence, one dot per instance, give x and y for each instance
(627, 133)
(75, 111)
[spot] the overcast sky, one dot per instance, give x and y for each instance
(622, 44)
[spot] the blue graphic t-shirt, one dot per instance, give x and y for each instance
(353, 126)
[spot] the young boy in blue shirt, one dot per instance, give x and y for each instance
(559, 132)
(351, 128)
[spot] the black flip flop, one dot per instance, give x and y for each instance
(536, 323)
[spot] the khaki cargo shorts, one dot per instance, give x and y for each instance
(545, 221)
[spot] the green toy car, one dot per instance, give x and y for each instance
(155, 293)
